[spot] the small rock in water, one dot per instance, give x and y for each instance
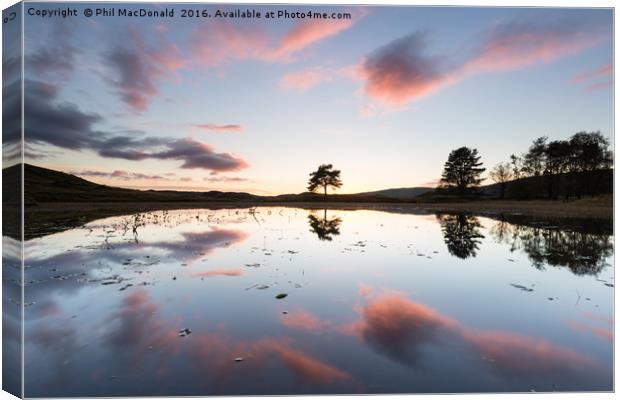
(550, 298)
(238, 359)
(284, 312)
(174, 278)
(521, 287)
(185, 332)
(281, 295)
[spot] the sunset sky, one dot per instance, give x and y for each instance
(255, 105)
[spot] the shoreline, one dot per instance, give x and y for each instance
(598, 208)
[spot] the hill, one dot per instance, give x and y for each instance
(546, 187)
(399, 193)
(42, 185)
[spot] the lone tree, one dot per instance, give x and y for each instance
(323, 177)
(501, 174)
(462, 170)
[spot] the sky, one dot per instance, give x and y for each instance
(255, 105)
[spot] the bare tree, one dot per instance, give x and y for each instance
(501, 174)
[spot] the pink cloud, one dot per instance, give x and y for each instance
(307, 368)
(220, 272)
(603, 333)
(603, 71)
(309, 32)
(312, 76)
(599, 86)
(516, 46)
(303, 320)
(403, 70)
(513, 352)
(401, 328)
(305, 79)
(220, 128)
(220, 42)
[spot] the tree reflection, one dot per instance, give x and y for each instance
(461, 234)
(324, 228)
(584, 253)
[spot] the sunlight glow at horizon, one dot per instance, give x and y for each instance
(256, 105)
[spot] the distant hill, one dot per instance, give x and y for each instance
(42, 185)
(46, 185)
(400, 193)
(598, 182)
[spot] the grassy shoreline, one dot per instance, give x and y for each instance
(601, 207)
(47, 218)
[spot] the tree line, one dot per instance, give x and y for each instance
(580, 165)
(568, 168)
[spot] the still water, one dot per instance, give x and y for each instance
(291, 301)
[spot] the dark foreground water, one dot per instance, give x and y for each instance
(282, 300)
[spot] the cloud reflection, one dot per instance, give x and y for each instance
(402, 329)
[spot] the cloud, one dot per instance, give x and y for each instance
(402, 329)
(308, 32)
(403, 70)
(307, 368)
(225, 179)
(195, 155)
(599, 86)
(221, 42)
(55, 57)
(220, 272)
(64, 125)
(604, 333)
(516, 45)
(312, 76)
(602, 74)
(604, 71)
(220, 128)
(399, 327)
(303, 320)
(119, 174)
(137, 67)
(137, 325)
(305, 79)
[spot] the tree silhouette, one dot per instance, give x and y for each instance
(462, 170)
(501, 174)
(534, 159)
(583, 251)
(324, 177)
(324, 228)
(461, 234)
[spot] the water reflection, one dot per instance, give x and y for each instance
(187, 304)
(324, 228)
(461, 234)
(405, 330)
(584, 253)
